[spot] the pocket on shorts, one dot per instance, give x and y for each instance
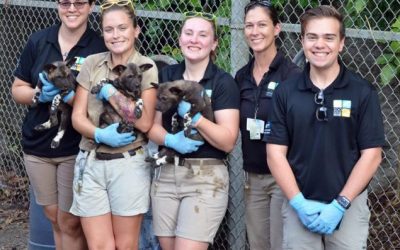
(79, 169)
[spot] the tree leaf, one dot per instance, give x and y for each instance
(385, 59)
(360, 5)
(387, 74)
(395, 46)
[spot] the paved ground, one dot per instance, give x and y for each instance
(14, 236)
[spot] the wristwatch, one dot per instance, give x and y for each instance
(343, 201)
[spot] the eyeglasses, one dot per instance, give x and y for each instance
(264, 3)
(110, 3)
(207, 16)
(67, 4)
(322, 112)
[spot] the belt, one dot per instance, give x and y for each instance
(200, 161)
(108, 156)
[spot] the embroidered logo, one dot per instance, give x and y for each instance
(270, 88)
(267, 128)
(341, 108)
(78, 63)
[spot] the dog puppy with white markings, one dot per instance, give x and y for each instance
(59, 74)
(128, 83)
(169, 95)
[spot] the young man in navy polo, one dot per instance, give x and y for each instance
(324, 142)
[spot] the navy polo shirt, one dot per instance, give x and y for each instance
(251, 95)
(322, 154)
(222, 89)
(43, 48)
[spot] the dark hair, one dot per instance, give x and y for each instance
(91, 1)
(127, 8)
(265, 5)
(321, 12)
(213, 53)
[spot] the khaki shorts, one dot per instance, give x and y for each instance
(263, 199)
(189, 202)
(352, 233)
(120, 186)
(51, 179)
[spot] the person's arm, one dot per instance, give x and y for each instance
(362, 172)
(80, 120)
(126, 106)
(223, 133)
(281, 170)
(22, 91)
(157, 132)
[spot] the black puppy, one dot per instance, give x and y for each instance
(128, 82)
(169, 94)
(60, 74)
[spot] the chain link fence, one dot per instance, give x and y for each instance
(372, 49)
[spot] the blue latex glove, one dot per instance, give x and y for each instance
(182, 144)
(328, 220)
(106, 92)
(184, 107)
(111, 137)
(307, 210)
(69, 96)
(49, 91)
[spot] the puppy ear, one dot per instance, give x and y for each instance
(118, 69)
(49, 67)
(155, 85)
(71, 62)
(176, 91)
(145, 67)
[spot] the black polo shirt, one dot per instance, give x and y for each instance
(322, 154)
(251, 95)
(43, 48)
(224, 95)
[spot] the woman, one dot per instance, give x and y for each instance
(257, 81)
(190, 197)
(50, 170)
(112, 180)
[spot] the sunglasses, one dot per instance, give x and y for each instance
(67, 4)
(264, 3)
(322, 112)
(111, 3)
(207, 16)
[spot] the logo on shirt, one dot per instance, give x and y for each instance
(267, 128)
(78, 63)
(270, 88)
(341, 108)
(208, 92)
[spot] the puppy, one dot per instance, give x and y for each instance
(169, 94)
(60, 74)
(128, 82)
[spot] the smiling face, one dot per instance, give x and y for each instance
(74, 17)
(197, 39)
(119, 32)
(260, 30)
(322, 43)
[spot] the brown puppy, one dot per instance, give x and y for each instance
(169, 94)
(129, 83)
(60, 74)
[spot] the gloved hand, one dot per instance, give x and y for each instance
(307, 210)
(184, 107)
(182, 144)
(49, 91)
(111, 137)
(106, 92)
(69, 96)
(328, 220)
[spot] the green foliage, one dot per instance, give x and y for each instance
(391, 59)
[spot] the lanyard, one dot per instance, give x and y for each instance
(257, 93)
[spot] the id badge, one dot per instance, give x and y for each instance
(255, 127)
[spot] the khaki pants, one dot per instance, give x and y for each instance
(352, 234)
(264, 200)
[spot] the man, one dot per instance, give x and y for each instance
(324, 142)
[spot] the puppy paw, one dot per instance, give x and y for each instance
(139, 108)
